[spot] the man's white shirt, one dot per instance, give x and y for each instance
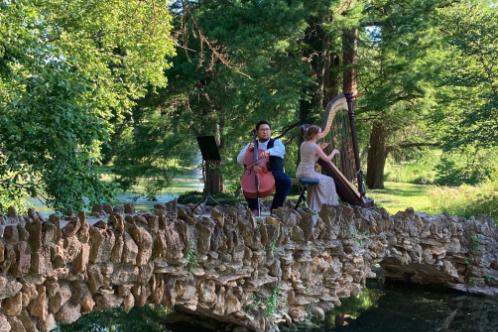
(278, 150)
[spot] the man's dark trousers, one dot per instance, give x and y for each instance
(282, 189)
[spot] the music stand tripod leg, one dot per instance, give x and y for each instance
(204, 206)
(202, 200)
(209, 196)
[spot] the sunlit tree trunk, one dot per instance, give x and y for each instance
(350, 60)
(377, 154)
(216, 183)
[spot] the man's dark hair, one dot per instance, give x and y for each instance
(262, 122)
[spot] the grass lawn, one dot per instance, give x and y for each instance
(398, 196)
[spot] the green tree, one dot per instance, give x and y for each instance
(401, 53)
(238, 62)
(66, 70)
(470, 84)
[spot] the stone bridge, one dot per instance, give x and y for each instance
(292, 266)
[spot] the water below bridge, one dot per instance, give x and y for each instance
(393, 306)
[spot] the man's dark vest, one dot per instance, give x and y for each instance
(276, 163)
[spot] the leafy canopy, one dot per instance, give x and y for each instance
(66, 69)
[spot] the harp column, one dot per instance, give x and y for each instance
(359, 172)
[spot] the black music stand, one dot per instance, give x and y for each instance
(209, 151)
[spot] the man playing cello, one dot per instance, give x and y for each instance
(275, 150)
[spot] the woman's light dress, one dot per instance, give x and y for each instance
(322, 193)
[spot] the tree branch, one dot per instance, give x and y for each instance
(288, 128)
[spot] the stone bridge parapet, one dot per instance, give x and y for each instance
(290, 267)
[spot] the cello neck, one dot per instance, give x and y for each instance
(255, 147)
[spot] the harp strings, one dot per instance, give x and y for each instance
(339, 138)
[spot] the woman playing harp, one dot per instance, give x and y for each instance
(347, 191)
(324, 192)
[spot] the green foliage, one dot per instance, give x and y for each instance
(413, 166)
(67, 69)
(309, 307)
(191, 256)
(255, 302)
(149, 318)
(471, 166)
(233, 69)
(271, 303)
(469, 85)
(466, 201)
(224, 199)
(488, 278)
(399, 58)
(475, 245)
(273, 245)
(144, 154)
(354, 305)
(434, 166)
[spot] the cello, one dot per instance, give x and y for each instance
(257, 181)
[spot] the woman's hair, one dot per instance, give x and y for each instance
(310, 132)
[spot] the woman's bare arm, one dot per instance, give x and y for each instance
(323, 156)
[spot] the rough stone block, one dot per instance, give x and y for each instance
(49, 231)
(129, 208)
(117, 250)
(23, 260)
(68, 313)
(81, 261)
(62, 295)
(47, 324)
(72, 227)
(107, 301)
(26, 321)
(129, 302)
(101, 244)
(23, 233)
(4, 324)
(130, 250)
(83, 296)
(39, 306)
(41, 261)
(116, 221)
(72, 248)
(16, 325)
(160, 247)
(8, 287)
(10, 233)
(13, 306)
(95, 278)
(2, 251)
(144, 247)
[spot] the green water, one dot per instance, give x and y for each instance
(177, 187)
(378, 308)
(400, 307)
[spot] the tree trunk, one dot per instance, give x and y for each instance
(215, 178)
(377, 154)
(350, 60)
(216, 183)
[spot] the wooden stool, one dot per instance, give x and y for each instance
(305, 182)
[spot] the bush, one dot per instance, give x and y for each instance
(466, 200)
(224, 199)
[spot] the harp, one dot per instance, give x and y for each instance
(339, 129)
